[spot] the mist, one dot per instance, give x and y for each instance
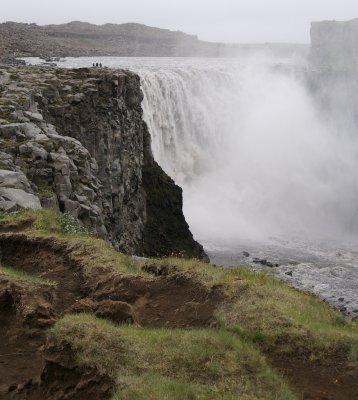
(258, 150)
(254, 151)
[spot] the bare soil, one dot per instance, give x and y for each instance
(315, 381)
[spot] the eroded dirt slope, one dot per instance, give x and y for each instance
(32, 367)
(26, 359)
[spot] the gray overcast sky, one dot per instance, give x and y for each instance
(214, 20)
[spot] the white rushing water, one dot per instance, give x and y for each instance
(262, 167)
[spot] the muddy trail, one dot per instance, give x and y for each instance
(32, 368)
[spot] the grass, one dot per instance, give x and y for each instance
(95, 253)
(9, 144)
(259, 308)
(171, 364)
(16, 275)
(259, 315)
(264, 310)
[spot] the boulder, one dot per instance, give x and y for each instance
(76, 98)
(14, 199)
(19, 131)
(6, 161)
(34, 116)
(35, 150)
(15, 180)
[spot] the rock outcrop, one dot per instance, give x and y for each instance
(75, 140)
(334, 44)
(333, 73)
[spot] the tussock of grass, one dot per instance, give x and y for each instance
(263, 309)
(15, 275)
(94, 252)
(14, 215)
(171, 364)
(47, 221)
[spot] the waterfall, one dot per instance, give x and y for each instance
(252, 150)
(251, 145)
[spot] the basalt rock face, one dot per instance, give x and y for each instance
(75, 140)
(333, 76)
(334, 44)
(163, 194)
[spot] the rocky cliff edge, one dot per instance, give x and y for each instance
(334, 44)
(75, 141)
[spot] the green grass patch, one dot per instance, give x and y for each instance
(170, 363)
(16, 275)
(48, 221)
(95, 253)
(9, 216)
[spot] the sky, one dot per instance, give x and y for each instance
(214, 20)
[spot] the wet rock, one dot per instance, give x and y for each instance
(293, 263)
(263, 262)
(246, 254)
(289, 273)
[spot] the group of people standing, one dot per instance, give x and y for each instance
(96, 65)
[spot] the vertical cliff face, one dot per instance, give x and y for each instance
(79, 140)
(102, 110)
(334, 44)
(333, 78)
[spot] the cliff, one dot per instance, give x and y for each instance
(75, 140)
(334, 44)
(77, 39)
(333, 76)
